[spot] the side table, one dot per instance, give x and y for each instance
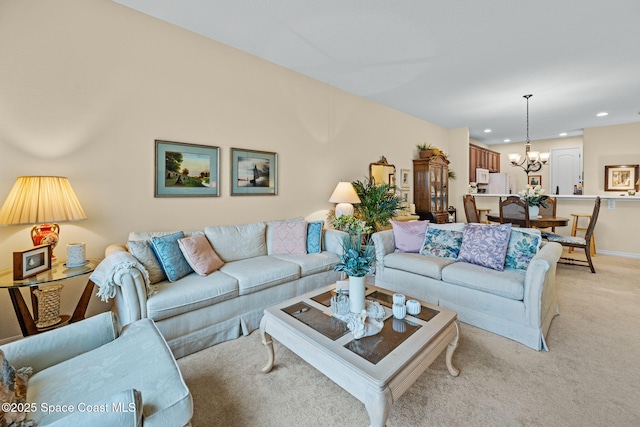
(58, 273)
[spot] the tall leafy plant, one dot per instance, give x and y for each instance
(378, 203)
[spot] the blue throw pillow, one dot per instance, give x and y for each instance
(441, 243)
(523, 246)
(168, 251)
(314, 237)
(485, 245)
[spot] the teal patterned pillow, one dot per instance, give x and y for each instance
(170, 256)
(523, 246)
(314, 237)
(441, 243)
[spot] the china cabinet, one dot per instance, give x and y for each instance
(431, 188)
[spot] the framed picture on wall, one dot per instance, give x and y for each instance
(253, 173)
(404, 178)
(187, 170)
(620, 178)
(535, 180)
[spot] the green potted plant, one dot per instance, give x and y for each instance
(378, 203)
(357, 260)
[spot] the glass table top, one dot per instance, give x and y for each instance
(58, 272)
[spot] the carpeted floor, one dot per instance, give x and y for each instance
(590, 376)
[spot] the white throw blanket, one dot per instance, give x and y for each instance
(109, 271)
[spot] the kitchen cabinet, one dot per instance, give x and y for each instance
(482, 158)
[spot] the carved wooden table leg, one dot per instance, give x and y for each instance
(450, 349)
(268, 343)
(378, 404)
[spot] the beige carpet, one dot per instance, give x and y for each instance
(591, 376)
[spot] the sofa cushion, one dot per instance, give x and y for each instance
(13, 390)
(312, 263)
(314, 237)
(170, 256)
(200, 255)
(524, 244)
(441, 243)
(237, 242)
(138, 359)
(507, 283)
(290, 238)
(142, 250)
(429, 266)
(485, 245)
(260, 273)
(190, 293)
(409, 236)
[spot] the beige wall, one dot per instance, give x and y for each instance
(88, 85)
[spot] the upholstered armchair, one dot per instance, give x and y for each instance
(88, 374)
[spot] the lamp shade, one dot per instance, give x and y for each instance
(344, 193)
(41, 199)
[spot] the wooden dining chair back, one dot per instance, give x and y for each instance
(550, 210)
(514, 210)
(470, 208)
(578, 242)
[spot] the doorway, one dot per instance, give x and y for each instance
(565, 169)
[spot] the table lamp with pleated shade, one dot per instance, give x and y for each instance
(344, 195)
(44, 201)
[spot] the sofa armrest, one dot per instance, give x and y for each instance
(50, 348)
(334, 241)
(385, 244)
(121, 276)
(540, 283)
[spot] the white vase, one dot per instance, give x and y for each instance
(356, 294)
(534, 211)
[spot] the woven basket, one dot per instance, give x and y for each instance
(48, 305)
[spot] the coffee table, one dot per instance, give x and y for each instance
(377, 369)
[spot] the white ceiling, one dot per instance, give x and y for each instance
(454, 63)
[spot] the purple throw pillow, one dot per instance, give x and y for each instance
(485, 245)
(409, 236)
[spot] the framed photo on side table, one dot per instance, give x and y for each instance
(187, 170)
(32, 261)
(620, 178)
(253, 173)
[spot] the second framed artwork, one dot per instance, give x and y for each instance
(621, 177)
(535, 180)
(187, 170)
(253, 173)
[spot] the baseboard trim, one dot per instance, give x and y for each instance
(621, 254)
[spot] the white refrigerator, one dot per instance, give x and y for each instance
(500, 183)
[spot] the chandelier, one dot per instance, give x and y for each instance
(533, 160)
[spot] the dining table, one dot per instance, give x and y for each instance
(539, 222)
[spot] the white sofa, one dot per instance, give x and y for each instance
(196, 311)
(89, 374)
(517, 304)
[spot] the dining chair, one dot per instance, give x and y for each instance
(514, 210)
(577, 241)
(550, 210)
(470, 208)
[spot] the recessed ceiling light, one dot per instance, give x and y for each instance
(602, 114)
(563, 134)
(507, 140)
(487, 130)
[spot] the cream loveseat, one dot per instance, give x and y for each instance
(518, 303)
(262, 264)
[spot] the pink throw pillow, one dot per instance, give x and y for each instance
(409, 236)
(199, 254)
(290, 238)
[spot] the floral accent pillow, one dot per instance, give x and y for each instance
(523, 246)
(485, 245)
(314, 237)
(409, 236)
(13, 390)
(290, 238)
(441, 243)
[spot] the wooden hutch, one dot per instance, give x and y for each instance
(431, 188)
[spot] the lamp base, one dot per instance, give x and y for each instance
(46, 234)
(344, 209)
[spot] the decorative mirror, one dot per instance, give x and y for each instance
(382, 172)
